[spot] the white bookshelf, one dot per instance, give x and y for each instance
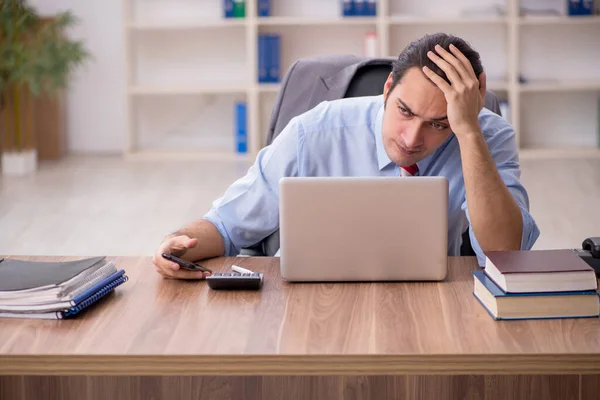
(187, 66)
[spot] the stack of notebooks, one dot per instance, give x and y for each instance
(55, 290)
(537, 284)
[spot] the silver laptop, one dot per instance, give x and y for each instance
(363, 228)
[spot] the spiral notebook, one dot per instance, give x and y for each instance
(76, 306)
(57, 290)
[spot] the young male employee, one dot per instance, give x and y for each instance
(430, 120)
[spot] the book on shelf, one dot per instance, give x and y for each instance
(539, 271)
(269, 58)
(580, 7)
(55, 290)
(264, 8)
(228, 8)
(541, 305)
(234, 8)
(359, 8)
(239, 8)
(241, 129)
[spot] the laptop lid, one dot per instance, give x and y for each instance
(363, 228)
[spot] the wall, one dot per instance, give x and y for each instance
(96, 99)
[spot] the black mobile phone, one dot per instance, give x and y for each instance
(185, 264)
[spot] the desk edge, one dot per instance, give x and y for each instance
(273, 365)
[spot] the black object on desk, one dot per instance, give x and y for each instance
(590, 253)
(235, 281)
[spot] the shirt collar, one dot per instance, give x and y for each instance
(382, 156)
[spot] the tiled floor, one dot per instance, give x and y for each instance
(105, 205)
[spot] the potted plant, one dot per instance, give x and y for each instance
(35, 58)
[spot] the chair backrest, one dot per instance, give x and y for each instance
(367, 79)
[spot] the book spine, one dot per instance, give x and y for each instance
(372, 8)
(228, 8)
(264, 8)
(241, 131)
(274, 64)
(239, 8)
(360, 8)
(262, 58)
(348, 8)
(573, 7)
(586, 7)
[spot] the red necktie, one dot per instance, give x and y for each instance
(410, 170)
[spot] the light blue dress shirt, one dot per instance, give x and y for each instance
(343, 138)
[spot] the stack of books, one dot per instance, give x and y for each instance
(537, 284)
(55, 290)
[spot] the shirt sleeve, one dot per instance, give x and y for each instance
(503, 147)
(248, 211)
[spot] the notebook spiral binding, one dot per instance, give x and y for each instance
(95, 297)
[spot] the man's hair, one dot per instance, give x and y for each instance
(415, 55)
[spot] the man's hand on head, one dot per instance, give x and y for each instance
(465, 94)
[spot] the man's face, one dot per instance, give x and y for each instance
(414, 121)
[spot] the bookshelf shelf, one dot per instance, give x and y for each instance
(269, 87)
(181, 52)
(310, 21)
(559, 20)
(189, 89)
(429, 20)
(561, 86)
(560, 153)
(183, 155)
(186, 25)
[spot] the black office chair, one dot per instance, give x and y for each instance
(368, 80)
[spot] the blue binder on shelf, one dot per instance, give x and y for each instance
(360, 8)
(228, 8)
(586, 7)
(580, 7)
(371, 8)
(274, 64)
(269, 58)
(241, 129)
(263, 58)
(349, 7)
(264, 8)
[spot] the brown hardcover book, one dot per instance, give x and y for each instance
(539, 271)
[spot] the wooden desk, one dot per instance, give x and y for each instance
(179, 339)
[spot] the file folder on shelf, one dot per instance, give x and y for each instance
(274, 51)
(269, 58)
(264, 8)
(348, 8)
(228, 8)
(241, 129)
(263, 61)
(239, 8)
